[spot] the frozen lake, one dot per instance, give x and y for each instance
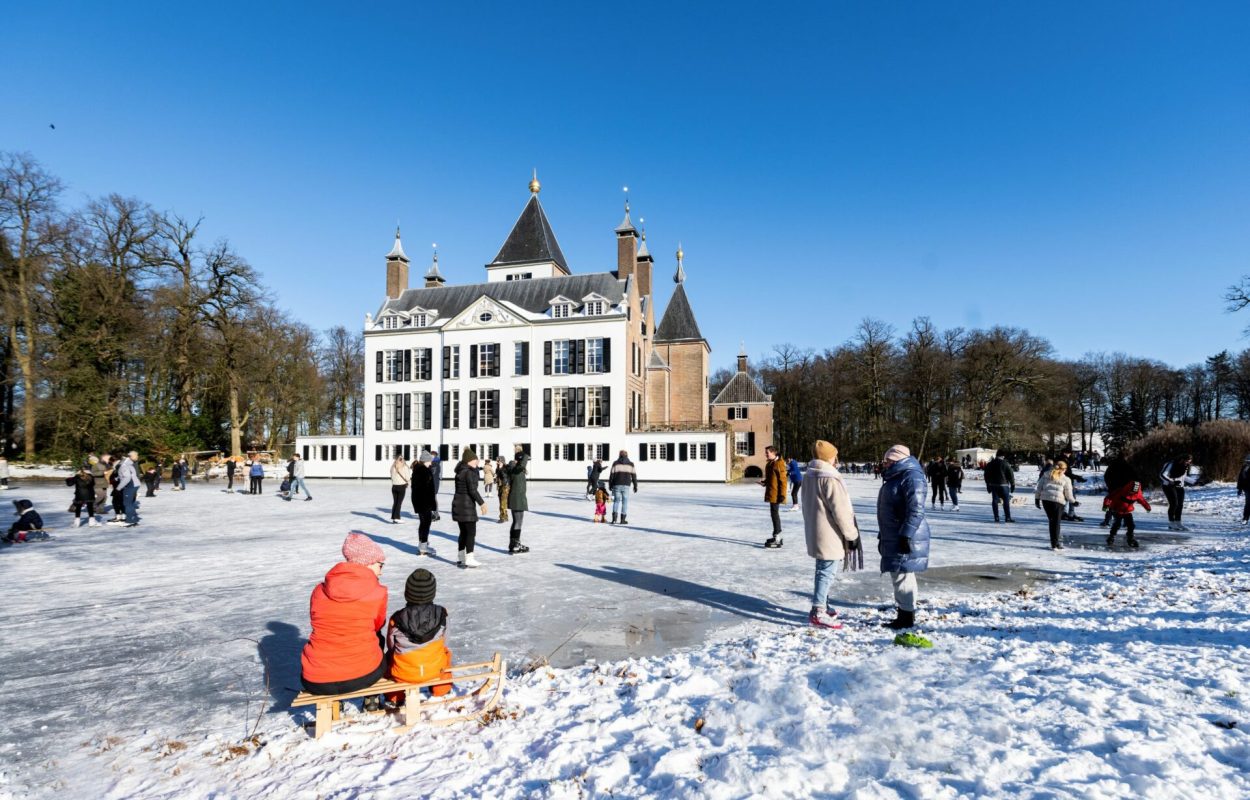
(102, 627)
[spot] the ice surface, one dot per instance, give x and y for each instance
(132, 660)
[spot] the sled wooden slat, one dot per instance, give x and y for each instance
(490, 673)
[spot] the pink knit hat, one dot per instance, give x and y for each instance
(896, 453)
(360, 549)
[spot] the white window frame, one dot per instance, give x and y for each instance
(561, 397)
(595, 308)
(594, 406)
(419, 422)
(391, 409)
(742, 443)
(658, 452)
(392, 366)
(419, 320)
(390, 322)
(486, 359)
(420, 355)
(556, 346)
(594, 355)
(454, 370)
(562, 311)
(485, 399)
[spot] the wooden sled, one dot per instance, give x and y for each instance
(482, 699)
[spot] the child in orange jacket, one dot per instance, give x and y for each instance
(1121, 503)
(415, 636)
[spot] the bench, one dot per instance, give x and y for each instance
(483, 698)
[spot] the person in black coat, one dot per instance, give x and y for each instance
(954, 481)
(84, 495)
(424, 500)
(936, 473)
(28, 520)
(1118, 473)
(230, 468)
(465, 504)
(151, 477)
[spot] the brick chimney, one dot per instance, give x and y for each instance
(626, 246)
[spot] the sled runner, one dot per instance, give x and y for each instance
(463, 707)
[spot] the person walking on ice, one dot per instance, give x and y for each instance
(518, 501)
(1175, 477)
(954, 481)
(401, 476)
(1000, 482)
(830, 528)
(774, 484)
(621, 477)
(794, 473)
(903, 530)
(465, 504)
(298, 470)
(1053, 494)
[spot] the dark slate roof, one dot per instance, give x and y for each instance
(741, 389)
(657, 361)
(532, 241)
(532, 294)
(678, 323)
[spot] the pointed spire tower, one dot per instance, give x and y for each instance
(646, 264)
(396, 268)
(434, 278)
(531, 249)
(626, 244)
(680, 343)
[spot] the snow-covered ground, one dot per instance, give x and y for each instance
(133, 661)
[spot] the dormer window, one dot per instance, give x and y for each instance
(562, 310)
(419, 320)
(390, 323)
(595, 308)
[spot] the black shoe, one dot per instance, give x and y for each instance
(1009, 519)
(1132, 542)
(623, 520)
(517, 547)
(373, 703)
(1075, 518)
(773, 542)
(1104, 524)
(905, 619)
(613, 519)
(1056, 545)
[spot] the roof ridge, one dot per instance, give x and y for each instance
(531, 240)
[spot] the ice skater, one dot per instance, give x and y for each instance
(84, 496)
(774, 484)
(601, 504)
(1175, 477)
(1121, 503)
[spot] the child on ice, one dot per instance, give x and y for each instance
(1120, 503)
(415, 636)
(601, 505)
(29, 525)
(84, 495)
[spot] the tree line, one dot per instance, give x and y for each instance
(122, 326)
(941, 390)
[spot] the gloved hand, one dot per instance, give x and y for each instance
(635, 490)
(904, 545)
(853, 545)
(1037, 501)
(1076, 503)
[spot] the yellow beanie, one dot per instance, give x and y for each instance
(825, 451)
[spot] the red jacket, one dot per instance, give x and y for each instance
(1121, 501)
(347, 610)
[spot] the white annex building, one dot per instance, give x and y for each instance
(572, 367)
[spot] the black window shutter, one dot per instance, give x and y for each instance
(377, 414)
(606, 393)
(407, 452)
(603, 448)
(494, 408)
(525, 358)
(750, 443)
(377, 452)
(455, 409)
(380, 356)
(682, 451)
(351, 452)
(581, 452)
(446, 362)
(671, 454)
(428, 410)
(494, 362)
(306, 452)
(579, 407)
(446, 410)
(546, 408)
(472, 361)
(577, 354)
(546, 358)
(547, 452)
(407, 365)
(407, 426)
(711, 451)
(642, 452)
(607, 354)
(473, 409)
(443, 452)
(428, 366)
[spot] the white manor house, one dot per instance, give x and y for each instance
(571, 367)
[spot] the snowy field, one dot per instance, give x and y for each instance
(133, 661)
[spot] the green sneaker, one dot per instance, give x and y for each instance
(912, 640)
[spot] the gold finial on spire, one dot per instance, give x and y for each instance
(680, 276)
(680, 254)
(535, 186)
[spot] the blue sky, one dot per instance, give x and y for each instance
(1080, 170)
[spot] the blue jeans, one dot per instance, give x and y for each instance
(130, 502)
(825, 570)
(1001, 494)
(620, 499)
(954, 495)
(297, 484)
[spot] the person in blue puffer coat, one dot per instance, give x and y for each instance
(795, 473)
(903, 531)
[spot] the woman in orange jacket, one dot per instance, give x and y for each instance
(348, 609)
